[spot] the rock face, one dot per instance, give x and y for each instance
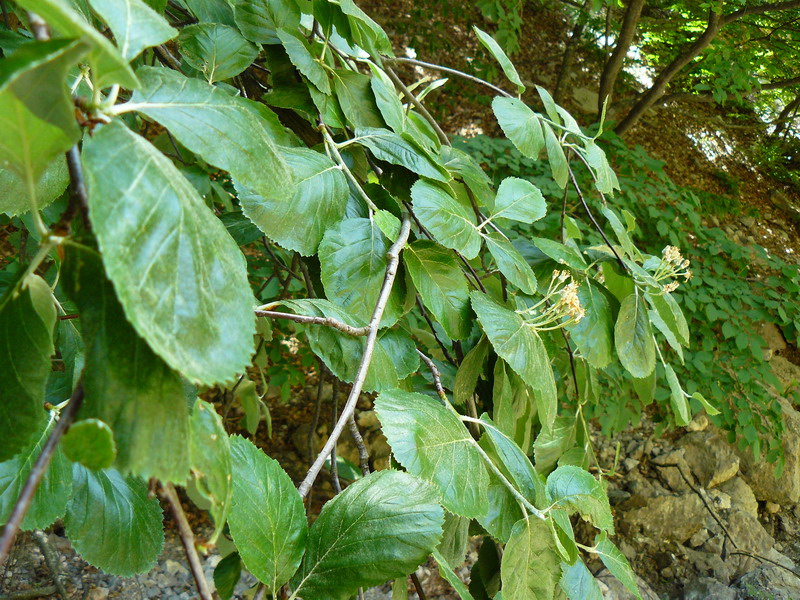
(760, 476)
(769, 582)
(711, 459)
(742, 496)
(613, 590)
(675, 518)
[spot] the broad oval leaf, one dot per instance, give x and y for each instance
(511, 263)
(615, 561)
(218, 51)
(177, 272)
(520, 124)
(519, 200)
(107, 65)
(392, 148)
(561, 253)
(135, 25)
(450, 220)
(50, 500)
(677, 399)
(441, 284)
(113, 523)
(469, 371)
(267, 518)
(354, 93)
(139, 399)
(594, 334)
(521, 347)
(633, 337)
(672, 315)
(353, 263)
(299, 53)
(228, 132)
(210, 461)
(555, 155)
(317, 203)
(431, 442)
(387, 100)
(530, 564)
(578, 491)
(90, 442)
(500, 56)
(27, 316)
(578, 583)
(381, 527)
(15, 197)
(259, 20)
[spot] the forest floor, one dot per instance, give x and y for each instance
(697, 149)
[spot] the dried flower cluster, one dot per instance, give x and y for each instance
(672, 266)
(560, 302)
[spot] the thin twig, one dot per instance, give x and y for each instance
(425, 316)
(187, 539)
(418, 586)
(420, 106)
(52, 562)
(317, 408)
(166, 57)
(337, 485)
(393, 260)
(38, 27)
(427, 65)
(437, 377)
(38, 470)
(261, 592)
(41, 592)
(330, 322)
(363, 453)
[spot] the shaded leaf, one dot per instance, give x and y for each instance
(447, 573)
(520, 124)
(218, 51)
(354, 92)
(634, 338)
(14, 193)
(449, 219)
(578, 491)
(578, 583)
(677, 399)
(530, 564)
(135, 25)
(615, 561)
(594, 334)
(469, 371)
(299, 53)
(392, 148)
(90, 442)
(259, 20)
(511, 263)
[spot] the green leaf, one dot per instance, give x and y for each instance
(177, 272)
(503, 512)
(672, 315)
(387, 100)
(50, 500)
(381, 527)
(677, 399)
(511, 263)
(469, 371)
(441, 284)
(521, 347)
(615, 561)
(135, 25)
(561, 253)
(605, 178)
(578, 583)
(558, 160)
(710, 408)
(228, 132)
(227, 574)
(388, 224)
(447, 573)
(27, 318)
(530, 563)
(91, 443)
(366, 32)
(354, 92)
(392, 148)
(551, 445)
(519, 200)
(432, 442)
(353, 263)
(500, 56)
(113, 523)
(299, 53)
(594, 334)
(578, 491)
(449, 219)
(210, 461)
(218, 51)
(126, 385)
(267, 518)
(36, 113)
(520, 124)
(259, 20)
(107, 65)
(15, 196)
(455, 538)
(317, 203)
(634, 338)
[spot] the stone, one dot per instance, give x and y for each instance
(176, 568)
(770, 582)
(675, 518)
(750, 536)
(613, 590)
(773, 337)
(98, 593)
(748, 221)
(630, 464)
(711, 459)
(772, 507)
(699, 423)
(742, 497)
(719, 500)
(760, 476)
(668, 573)
(585, 99)
(706, 588)
(787, 372)
(710, 564)
(699, 538)
(617, 496)
(669, 474)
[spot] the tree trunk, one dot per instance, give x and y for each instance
(655, 92)
(569, 52)
(786, 116)
(614, 64)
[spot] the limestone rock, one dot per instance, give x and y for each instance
(613, 590)
(711, 565)
(761, 475)
(710, 457)
(769, 582)
(669, 474)
(787, 372)
(707, 587)
(742, 497)
(773, 337)
(749, 536)
(675, 518)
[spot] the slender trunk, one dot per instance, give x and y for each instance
(659, 86)
(614, 63)
(786, 116)
(569, 52)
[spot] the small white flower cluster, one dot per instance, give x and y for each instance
(560, 301)
(292, 344)
(672, 266)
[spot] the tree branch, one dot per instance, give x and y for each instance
(420, 106)
(758, 10)
(434, 67)
(38, 470)
(393, 260)
(329, 321)
(169, 494)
